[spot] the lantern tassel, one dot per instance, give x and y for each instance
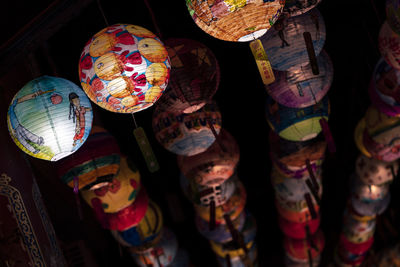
(212, 223)
(312, 176)
(311, 53)
(328, 135)
(313, 191)
(310, 205)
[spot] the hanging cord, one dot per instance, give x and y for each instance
(153, 18)
(102, 13)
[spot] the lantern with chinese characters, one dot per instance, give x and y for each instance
(388, 43)
(194, 77)
(49, 118)
(93, 165)
(124, 68)
(237, 21)
(297, 124)
(297, 7)
(298, 230)
(375, 172)
(297, 249)
(119, 193)
(393, 14)
(187, 134)
(214, 165)
(284, 42)
(300, 87)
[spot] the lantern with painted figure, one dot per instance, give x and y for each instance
(284, 42)
(194, 79)
(236, 21)
(49, 118)
(124, 68)
(388, 43)
(187, 134)
(375, 172)
(297, 7)
(300, 87)
(297, 249)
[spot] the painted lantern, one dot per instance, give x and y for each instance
(375, 172)
(187, 134)
(239, 261)
(284, 42)
(388, 43)
(357, 231)
(350, 250)
(297, 249)
(298, 7)
(124, 68)
(299, 87)
(368, 192)
(298, 230)
(297, 124)
(393, 14)
(294, 211)
(370, 208)
(213, 166)
(194, 77)
(49, 118)
(232, 20)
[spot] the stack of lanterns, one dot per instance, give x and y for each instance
(188, 123)
(376, 137)
(297, 111)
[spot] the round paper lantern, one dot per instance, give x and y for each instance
(187, 134)
(297, 230)
(388, 42)
(215, 164)
(370, 208)
(289, 157)
(129, 216)
(393, 14)
(355, 248)
(297, 124)
(293, 211)
(284, 42)
(124, 68)
(237, 21)
(375, 172)
(346, 262)
(357, 231)
(203, 195)
(298, 7)
(238, 261)
(299, 87)
(145, 234)
(49, 118)
(194, 77)
(119, 193)
(162, 254)
(368, 192)
(297, 249)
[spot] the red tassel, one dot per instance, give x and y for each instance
(328, 135)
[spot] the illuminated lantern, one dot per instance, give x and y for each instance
(162, 254)
(350, 250)
(297, 124)
(237, 21)
(345, 262)
(388, 42)
(298, 7)
(145, 234)
(368, 192)
(297, 249)
(393, 14)
(357, 231)
(298, 230)
(370, 208)
(233, 207)
(238, 261)
(220, 233)
(124, 68)
(300, 87)
(95, 164)
(289, 157)
(284, 42)
(203, 195)
(119, 193)
(49, 118)
(187, 134)
(129, 216)
(214, 165)
(294, 211)
(194, 77)
(375, 172)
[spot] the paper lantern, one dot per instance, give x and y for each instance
(370, 208)
(213, 166)
(237, 21)
(284, 42)
(119, 193)
(388, 43)
(393, 14)
(368, 192)
(145, 234)
(375, 172)
(297, 249)
(162, 254)
(357, 231)
(346, 262)
(124, 68)
(49, 118)
(96, 163)
(355, 248)
(194, 77)
(298, 7)
(297, 230)
(187, 134)
(297, 124)
(300, 87)
(293, 211)
(238, 261)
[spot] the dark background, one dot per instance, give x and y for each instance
(352, 29)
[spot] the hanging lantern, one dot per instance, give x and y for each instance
(351, 251)
(124, 68)
(194, 77)
(162, 254)
(393, 14)
(297, 7)
(375, 172)
(298, 230)
(49, 118)
(119, 193)
(237, 21)
(388, 43)
(213, 166)
(297, 249)
(252, 255)
(95, 164)
(284, 42)
(357, 231)
(370, 208)
(187, 134)
(367, 192)
(297, 124)
(294, 211)
(300, 87)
